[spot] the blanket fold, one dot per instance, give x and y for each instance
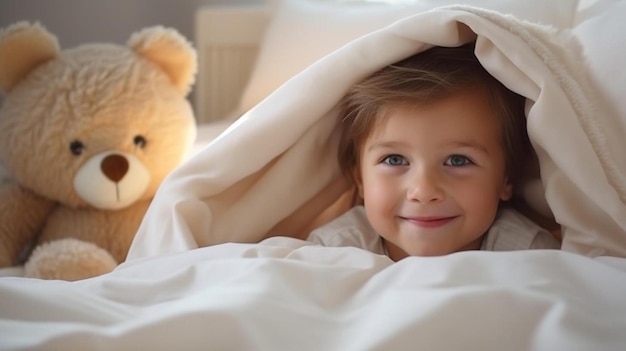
(278, 161)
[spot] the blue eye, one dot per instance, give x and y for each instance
(395, 160)
(458, 161)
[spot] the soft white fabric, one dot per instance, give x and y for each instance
(350, 229)
(274, 170)
(285, 294)
(510, 231)
(514, 231)
(296, 37)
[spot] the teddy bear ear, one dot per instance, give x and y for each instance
(23, 47)
(170, 51)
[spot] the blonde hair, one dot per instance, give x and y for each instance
(423, 78)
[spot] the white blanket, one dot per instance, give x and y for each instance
(285, 295)
(274, 171)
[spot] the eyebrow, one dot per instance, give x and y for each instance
(460, 144)
(385, 144)
(471, 144)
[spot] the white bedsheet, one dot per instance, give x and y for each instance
(274, 171)
(283, 294)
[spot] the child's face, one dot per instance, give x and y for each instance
(432, 175)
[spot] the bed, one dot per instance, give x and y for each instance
(219, 261)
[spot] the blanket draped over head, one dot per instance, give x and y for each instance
(275, 170)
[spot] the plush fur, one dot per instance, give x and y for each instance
(87, 135)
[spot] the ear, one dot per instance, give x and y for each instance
(170, 51)
(24, 47)
(507, 190)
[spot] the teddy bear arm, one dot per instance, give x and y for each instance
(112, 231)
(22, 215)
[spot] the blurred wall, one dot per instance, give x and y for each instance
(79, 21)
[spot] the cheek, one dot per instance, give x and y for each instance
(379, 205)
(480, 199)
(380, 196)
(376, 187)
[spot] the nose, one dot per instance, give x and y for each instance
(424, 186)
(114, 167)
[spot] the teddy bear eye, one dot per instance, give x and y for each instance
(77, 147)
(139, 141)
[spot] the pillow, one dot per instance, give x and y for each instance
(302, 31)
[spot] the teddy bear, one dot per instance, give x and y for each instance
(87, 135)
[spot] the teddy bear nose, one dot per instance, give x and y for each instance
(114, 167)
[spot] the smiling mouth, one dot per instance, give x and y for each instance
(429, 222)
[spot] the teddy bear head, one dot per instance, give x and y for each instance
(98, 125)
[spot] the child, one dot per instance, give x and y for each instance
(435, 146)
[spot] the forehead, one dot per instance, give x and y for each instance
(467, 113)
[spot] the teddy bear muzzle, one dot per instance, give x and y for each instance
(112, 180)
